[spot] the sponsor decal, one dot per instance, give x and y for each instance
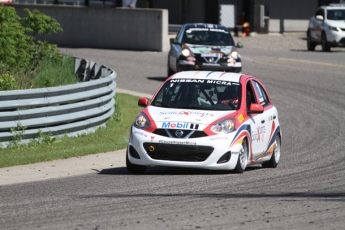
(177, 142)
(240, 118)
(234, 153)
(258, 134)
(196, 29)
(152, 137)
(140, 133)
(218, 138)
(209, 55)
(218, 82)
(188, 80)
(219, 30)
(179, 125)
(173, 125)
(206, 29)
(201, 114)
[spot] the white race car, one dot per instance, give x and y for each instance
(207, 120)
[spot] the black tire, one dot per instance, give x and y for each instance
(274, 161)
(169, 70)
(133, 168)
(310, 45)
(324, 43)
(242, 158)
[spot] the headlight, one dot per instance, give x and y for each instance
(142, 122)
(334, 28)
(234, 55)
(185, 52)
(225, 126)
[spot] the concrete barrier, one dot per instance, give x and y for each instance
(107, 28)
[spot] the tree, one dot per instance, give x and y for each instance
(22, 44)
(19, 47)
(15, 44)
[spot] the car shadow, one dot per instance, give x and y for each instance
(161, 79)
(159, 170)
(318, 48)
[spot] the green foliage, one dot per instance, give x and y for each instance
(15, 44)
(55, 73)
(39, 23)
(42, 138)
(7, 82)
(21, 51)
(17, 134)
(117, 114)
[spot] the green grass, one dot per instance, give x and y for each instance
(113, 137)
(52, 74)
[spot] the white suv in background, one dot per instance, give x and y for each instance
(327, 27)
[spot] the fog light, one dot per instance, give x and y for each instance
(133, 152)
(225, 158)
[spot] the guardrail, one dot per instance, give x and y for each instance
(65, 110)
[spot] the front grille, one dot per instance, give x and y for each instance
(186, 133)
(172, 152)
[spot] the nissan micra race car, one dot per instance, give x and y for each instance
(206, 120)
(200, 46)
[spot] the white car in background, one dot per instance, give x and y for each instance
(327, 27)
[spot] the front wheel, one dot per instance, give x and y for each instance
(324, 43)
(310, 45)
(242, 158)
(169, 70)
(274, 161)
(133, 168)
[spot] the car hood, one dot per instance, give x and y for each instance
(207, 49)
(183, 118)
(340, 24)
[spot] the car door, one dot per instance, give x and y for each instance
(265, 127)
(316, 32)
(175, 50)
(257, 124)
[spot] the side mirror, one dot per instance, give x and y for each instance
(256, 108)
(143, 102)
(239, 45)
(319, 17)
(173, 41)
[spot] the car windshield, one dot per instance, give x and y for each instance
(199, 94)
(336, 14)
(208, 36)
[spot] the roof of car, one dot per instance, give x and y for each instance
(334, 6)
(208, 75)
(204, 25)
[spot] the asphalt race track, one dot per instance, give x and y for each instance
(306, 191)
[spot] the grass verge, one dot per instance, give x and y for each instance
(111, 138)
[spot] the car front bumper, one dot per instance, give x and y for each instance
(211, 152)
(336, 39)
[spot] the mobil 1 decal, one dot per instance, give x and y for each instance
(179, 125)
